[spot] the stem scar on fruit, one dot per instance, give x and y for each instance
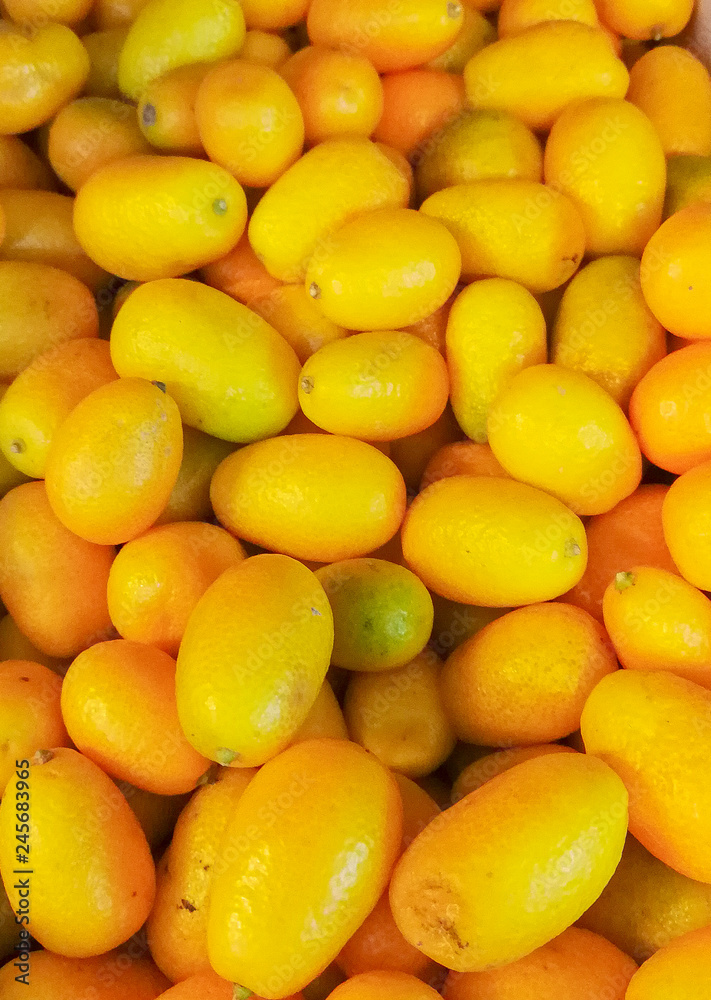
(225, 756)
(624, 580)
(219, 206)
(149, 114)
(307, 384)
(314, 290)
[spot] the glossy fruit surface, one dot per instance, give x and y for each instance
(339, 93)
(43, 70)
(475, 33)
(476, 145)
(109, 977)
(147, 238)
(198, 32)
(166, 110)
(570, 61)
(483, 769)
(266, 48)
(273, 14)
(42, 307)
(158, 578)
(653, 730)
(379, 946)
(618, 184)
(675, 274)
(525, 677)
(177, 926)
(322, 880)
(404, 38)
(384, 270)
(375, 386)
(417, 105)
(586, 453)
(631, 534)
(604, 327)
(31, 717)
(34, 12)
(40, 230)
(658, 621)
(644, 19)
(686, 518)
(73, 148)
(204, 986)
(44, 394)
(93, 878)
(646, 904)
(382, 613)
(461, 458)
(240, 274)
(512, 228)
(517, 15)
(399, 716)
(677, 971)
(669, 409)
(330, 184)
(493, 542)
(575, 965)
(325, 719)
(673, 89)
(307, 519)
(16, 646)
(550, 830)
(480, 367)
(249, 121)
(295, 315)
(118, 701)
(371, 985)
(230, 373)
(246, 684)
(92, 482)
(52, 582)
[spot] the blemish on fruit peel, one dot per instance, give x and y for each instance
(624, 580)
(572, 548)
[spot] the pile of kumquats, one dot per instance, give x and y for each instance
(355, 532)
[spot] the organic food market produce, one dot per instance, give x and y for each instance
(355, 500)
